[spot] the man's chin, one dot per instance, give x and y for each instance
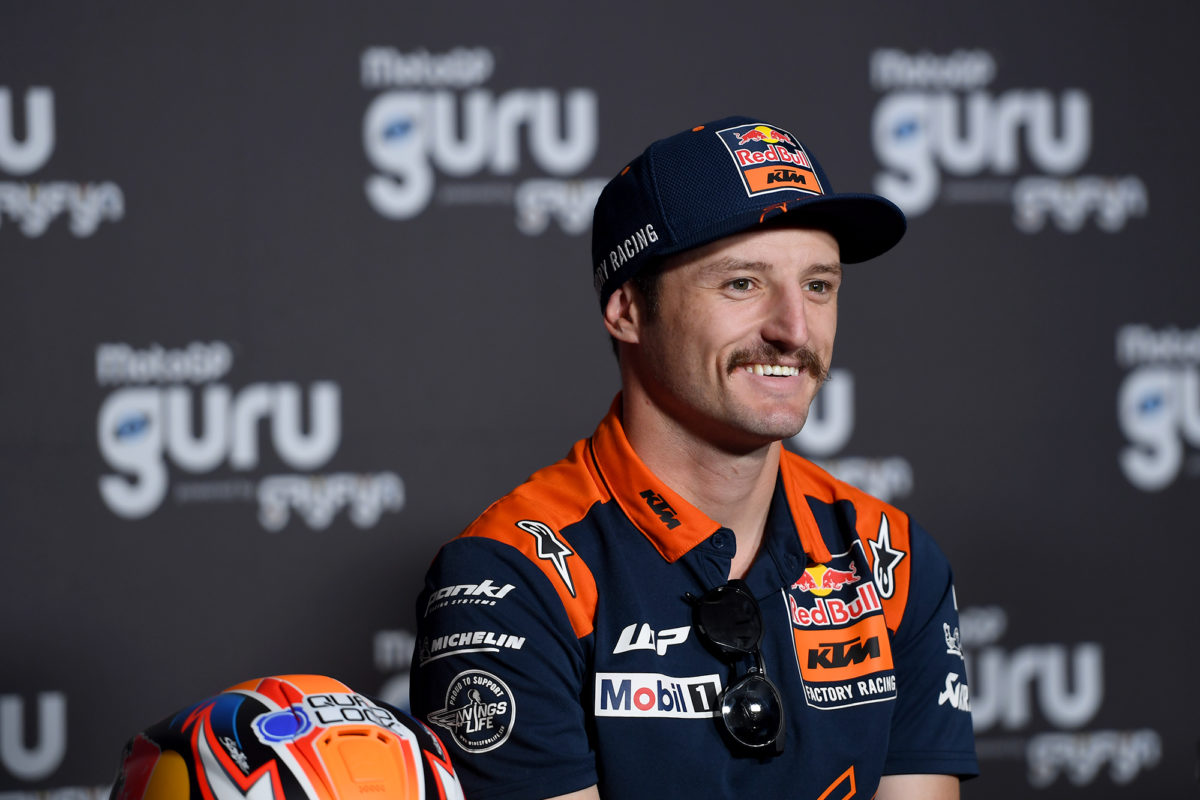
(755, 432)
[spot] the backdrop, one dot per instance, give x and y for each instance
(288, 295)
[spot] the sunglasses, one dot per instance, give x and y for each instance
(729, 623)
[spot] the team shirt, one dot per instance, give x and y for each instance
(555, 646)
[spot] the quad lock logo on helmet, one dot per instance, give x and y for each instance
(769, 160)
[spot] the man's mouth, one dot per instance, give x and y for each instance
(772, 369)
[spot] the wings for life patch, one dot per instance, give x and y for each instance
(479, 711)
(770, 160)
(843, 650)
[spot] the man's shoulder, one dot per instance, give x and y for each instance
(554, 497)
(902, 556)
(816, 482)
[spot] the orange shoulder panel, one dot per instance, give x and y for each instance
(884, 532)
(882, 528)
(531, 518)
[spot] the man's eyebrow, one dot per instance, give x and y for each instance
(730, 264)
(833, 268)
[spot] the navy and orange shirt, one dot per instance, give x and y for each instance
(555, 648)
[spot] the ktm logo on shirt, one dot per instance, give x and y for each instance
(835, 655)
(662, 508)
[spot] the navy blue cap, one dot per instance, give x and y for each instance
(722, 178)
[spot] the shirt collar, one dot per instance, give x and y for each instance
(673, 525)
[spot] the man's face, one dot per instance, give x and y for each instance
(742, 335)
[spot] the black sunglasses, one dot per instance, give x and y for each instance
(729, 623)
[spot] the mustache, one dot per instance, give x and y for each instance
(804, 358)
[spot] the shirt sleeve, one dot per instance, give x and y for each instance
(499, 673)
(931, 728)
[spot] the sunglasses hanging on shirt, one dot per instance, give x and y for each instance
(729, 623)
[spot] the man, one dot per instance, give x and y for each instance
(681, 608)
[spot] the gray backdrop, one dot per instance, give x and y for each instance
(288, 295)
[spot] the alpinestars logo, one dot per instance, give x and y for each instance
(550, 548)
(886, 559)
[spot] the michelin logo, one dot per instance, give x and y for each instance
(649, 694)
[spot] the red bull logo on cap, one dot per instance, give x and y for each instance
(770, 160)
(761, 133)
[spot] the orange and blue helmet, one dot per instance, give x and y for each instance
(288, 737)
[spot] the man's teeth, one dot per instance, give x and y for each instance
(772, 369)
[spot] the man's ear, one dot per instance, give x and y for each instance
(623, 315)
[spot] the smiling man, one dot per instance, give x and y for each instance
(681, 607)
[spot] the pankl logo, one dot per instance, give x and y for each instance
(1158, 404)
(33, 206)
(415, 135)
(937, 117)
(148, 419)
(827, 431)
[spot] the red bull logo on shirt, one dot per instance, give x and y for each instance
(821, 580)
(770, 160)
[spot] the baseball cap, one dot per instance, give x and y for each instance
(721, 178)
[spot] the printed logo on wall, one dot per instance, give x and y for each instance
(828, 429)
(436, 121)
(393, 656)
(33, 746)
(1065, 684)
(1018, 147)
(26, 757)
(1158, 404)
(34, 206)
(150, 421)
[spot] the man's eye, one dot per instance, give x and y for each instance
(740, 284)
(820, 287)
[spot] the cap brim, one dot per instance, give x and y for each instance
(865, 225)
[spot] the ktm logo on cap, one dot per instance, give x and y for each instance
(770, 160)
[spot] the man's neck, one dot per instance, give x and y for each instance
(732, 488)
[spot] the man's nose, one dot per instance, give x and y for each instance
(786, 325)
